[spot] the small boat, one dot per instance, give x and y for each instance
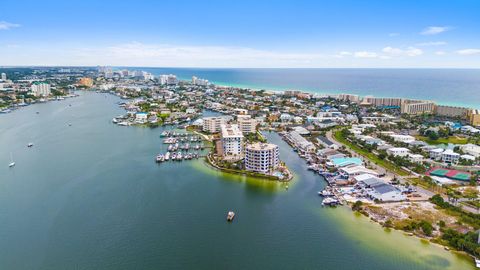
(330, 201)
(12, 163)
(325, 193)
(114, 120)
(159, 158)
(230, 216)
(29, 144)
(69, 124)
(167, 156)
(38, 112)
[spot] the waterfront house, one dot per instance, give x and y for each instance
(141, 117)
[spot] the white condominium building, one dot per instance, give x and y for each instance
(261, 157)
(247, 125)
(41, 89)
(232, 141)
(417, 107)
(213, 124)
(451, 111)
(379, 101)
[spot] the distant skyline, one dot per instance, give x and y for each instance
(241, 34)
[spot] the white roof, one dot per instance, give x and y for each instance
(356, 169)
(364, 176)
(450, 152)
(398, 149)
(231, 131)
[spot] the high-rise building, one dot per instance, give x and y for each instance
(172, 79)
(382, 102)
(261, 157)
(41, 89)
(213, 124)
(450, 111)
(349, 97)
(417, 107)
(232, 142)
(473, 116)
(247, 125)
(4, 77)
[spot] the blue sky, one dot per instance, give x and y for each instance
(340, 33)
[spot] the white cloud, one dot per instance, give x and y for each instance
(440, 53)
(165, 55)
(6, 25)
(342, 54)
(139, 54)
(468, 51)
(365, 54)
(434, 30)
(410, 51)
(432, 43)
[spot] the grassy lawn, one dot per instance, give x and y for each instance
(369, 155)
(451, 139)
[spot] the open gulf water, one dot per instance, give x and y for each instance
(458, 87)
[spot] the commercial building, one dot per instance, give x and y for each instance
(450, 111)
(378, 190)
(3, 77)
(41, 89)
(232, 142)
(417, 107)
(261, 157)
(351, 171)
(213, 124)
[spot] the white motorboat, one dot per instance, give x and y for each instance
(12, 163)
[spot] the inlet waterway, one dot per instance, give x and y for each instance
(88, 195)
